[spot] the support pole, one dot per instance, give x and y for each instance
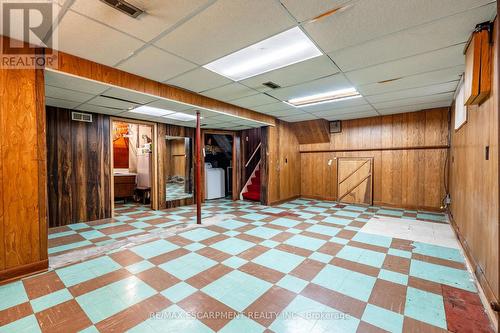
(198, 168)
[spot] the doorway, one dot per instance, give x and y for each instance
(220, 165)
(133, 166)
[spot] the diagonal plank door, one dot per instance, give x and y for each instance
(355, 180)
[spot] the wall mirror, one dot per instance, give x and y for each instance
(179, 170)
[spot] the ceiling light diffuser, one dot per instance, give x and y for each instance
(327, 97)
(287, 48)
(181, 116)
(151, 111)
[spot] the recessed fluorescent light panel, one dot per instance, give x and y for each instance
(327, 97)
(151, 111)
(286, 48)
(181, 116)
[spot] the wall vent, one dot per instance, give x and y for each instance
(271, 85)
(79, 116)
(124, 7)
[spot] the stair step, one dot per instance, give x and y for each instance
(254, 196)
(253, 188)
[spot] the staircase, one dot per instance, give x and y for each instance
(253, 187)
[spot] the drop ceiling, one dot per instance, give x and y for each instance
(419, 43)
(75, 93)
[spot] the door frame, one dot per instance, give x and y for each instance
(236, 159)
(154, 160)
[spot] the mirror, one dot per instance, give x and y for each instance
(179, 171)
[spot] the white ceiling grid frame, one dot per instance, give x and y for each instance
(452, 30)
(249, 22)
(367, 20)
(415, 92)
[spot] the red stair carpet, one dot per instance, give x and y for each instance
(253, 190)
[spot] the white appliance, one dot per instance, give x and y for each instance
(215, 182)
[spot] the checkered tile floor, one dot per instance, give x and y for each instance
(303, 266)
(177, 191)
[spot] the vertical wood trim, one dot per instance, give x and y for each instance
(162, 166)
(42, 163)
(3, 91)
(264, 167)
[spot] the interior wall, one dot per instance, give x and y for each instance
(23, 200)
(409, 152)
(474, 185)
(79, 168)
(280, 163)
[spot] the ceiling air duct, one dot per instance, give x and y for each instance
(124, 7)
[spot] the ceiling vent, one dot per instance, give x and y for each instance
(271, 85)
(83, 117)
(124, 7)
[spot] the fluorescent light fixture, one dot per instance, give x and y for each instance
(287, 48)
(181, 116)
(151, 111)
(327, 97)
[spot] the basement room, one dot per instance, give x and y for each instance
(265, 166)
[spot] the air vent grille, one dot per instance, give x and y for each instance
(83, 117)
(271, 85)
(124, 7)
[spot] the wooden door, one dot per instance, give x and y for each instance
(355, 180)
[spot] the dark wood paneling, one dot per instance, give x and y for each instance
(474, 185)
(172, 130)
(79, 168)
(409, 153)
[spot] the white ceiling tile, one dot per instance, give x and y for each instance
(335, 105)
(158, 16)
(94, 41)
(413, 81)
(302, 117)
(444, 58)
(415, 107)
(130, 96)
(156, 64)
(304, 71)
(225, 27)
(112, 103)
(60, 103)
(199, 79)
(272, 107)
(304, 10)
(77, 84)
(446, 97)
(68, 95)
(415, 92)
(288, 112)
(452, 30)
(333, 82)
(229, 92)
(367, 20)
(169, 105)
(98, 109)
(254, 100)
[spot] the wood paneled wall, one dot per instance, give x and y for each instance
(23, 199)
(280, 164)
(474, 185)
(79, 184)
(409, 152)
(163, 167)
